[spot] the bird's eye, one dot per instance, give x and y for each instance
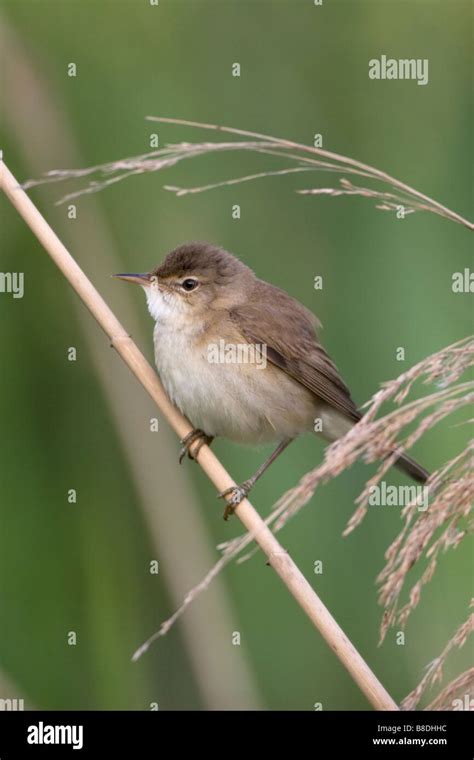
(189, 284)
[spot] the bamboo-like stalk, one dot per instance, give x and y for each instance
(278, 558)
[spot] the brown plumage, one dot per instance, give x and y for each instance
(201, 295)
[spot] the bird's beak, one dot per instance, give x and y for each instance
(138, 279)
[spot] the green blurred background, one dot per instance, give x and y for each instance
(85, 425)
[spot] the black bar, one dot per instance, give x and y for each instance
(316, 734)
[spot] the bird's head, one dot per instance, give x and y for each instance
(193, 279)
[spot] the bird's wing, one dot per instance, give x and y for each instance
(288, 330)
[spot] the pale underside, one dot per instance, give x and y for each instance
(238, 401)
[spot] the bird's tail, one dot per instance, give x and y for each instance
(340, 424)
(408, 465)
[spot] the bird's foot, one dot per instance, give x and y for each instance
(234, 495)
(189, 439)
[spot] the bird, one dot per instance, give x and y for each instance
(242, 359)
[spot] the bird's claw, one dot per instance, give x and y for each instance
(189, 439)
(234, 495)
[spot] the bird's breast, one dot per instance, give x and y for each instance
(224, 395)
